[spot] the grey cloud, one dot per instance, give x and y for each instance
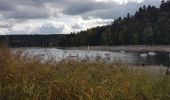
(6, 23)
(36, 8)
(23, 9)
(119, 10)
(114, 12)
(46, 28)
(49, 28)
(5, 6)
(79, 7)
(104, 10)
(77, 26)
(27, 13)
(17, 32)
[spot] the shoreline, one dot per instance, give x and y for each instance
(128, 48)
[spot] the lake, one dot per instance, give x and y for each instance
(143, 58)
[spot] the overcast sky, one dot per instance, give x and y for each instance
(62, 16)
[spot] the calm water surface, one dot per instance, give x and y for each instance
(158, 58)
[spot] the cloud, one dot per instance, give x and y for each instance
(29, 12)
(6, 25)
(118, 10)
(80, 23)
(23, 9)
(5, 6)
(46, 28)
(74, 24)
(9, 23)
(114, 12)
(79, 7)
(63, 16)
(30, 9)
(106, 8)
(49, 28)
(77, 26)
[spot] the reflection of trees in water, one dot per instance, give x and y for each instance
(160, 58)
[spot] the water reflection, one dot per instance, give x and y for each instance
(143, 58)
(160, 58)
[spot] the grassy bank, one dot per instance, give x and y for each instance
(24, 78)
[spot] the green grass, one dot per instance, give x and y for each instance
(22, 78)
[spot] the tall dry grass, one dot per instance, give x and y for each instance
(22, 78)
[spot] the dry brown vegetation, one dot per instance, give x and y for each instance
(22, 78)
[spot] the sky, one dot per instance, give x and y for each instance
(63, 16)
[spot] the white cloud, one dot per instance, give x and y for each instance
(121, 1)
(61, 25)
(62, 16)
(6, 23)
(82, 24)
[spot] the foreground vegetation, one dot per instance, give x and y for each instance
(23, 78)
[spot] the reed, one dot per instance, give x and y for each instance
(24, 78)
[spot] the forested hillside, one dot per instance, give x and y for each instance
(148, 26)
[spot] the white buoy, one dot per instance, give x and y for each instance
(88, 48)
(151, 53)
(143, 55)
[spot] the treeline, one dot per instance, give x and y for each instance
(149, 26)
(32, 40)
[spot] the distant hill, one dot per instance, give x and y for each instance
(149, 26)
(52, 40)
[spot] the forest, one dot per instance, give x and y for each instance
(51, 40)
(148, 26)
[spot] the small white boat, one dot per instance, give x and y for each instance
(143, 55)
(151, 53)
(122, 51)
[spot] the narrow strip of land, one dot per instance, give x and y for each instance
(130, 48)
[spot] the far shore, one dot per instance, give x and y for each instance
(128, 48)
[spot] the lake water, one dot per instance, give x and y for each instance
(144, 58)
